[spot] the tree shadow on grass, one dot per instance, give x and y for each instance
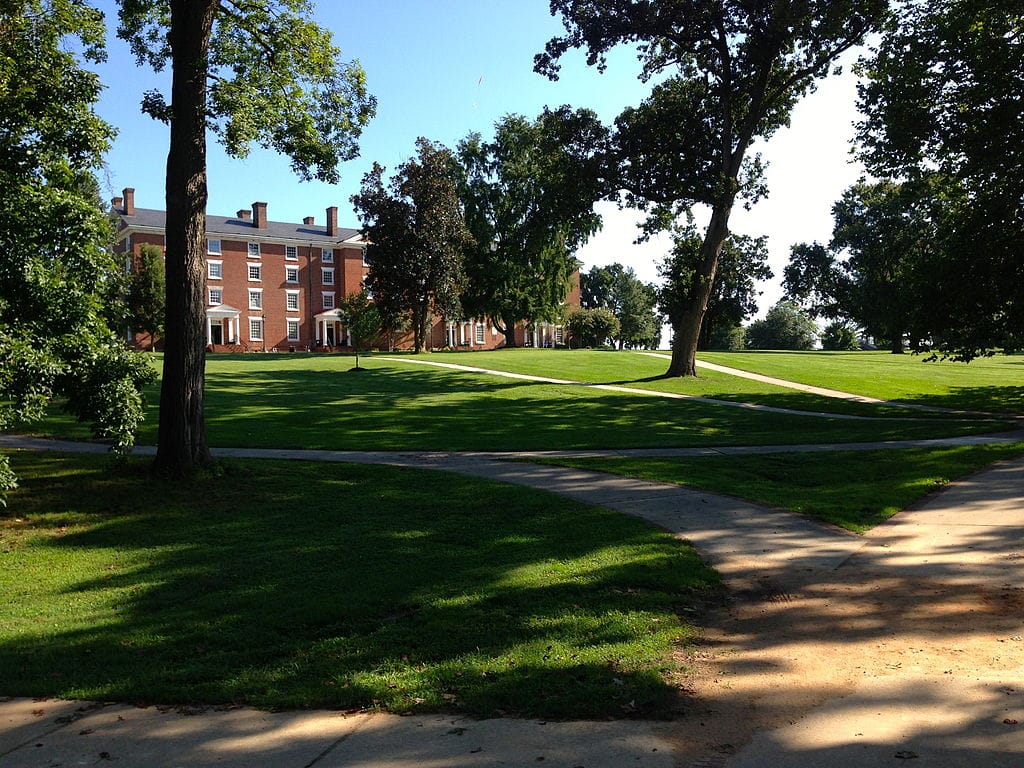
(389, 409)
(341, 586)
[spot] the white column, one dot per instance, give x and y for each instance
(209, 330)
(472, 332)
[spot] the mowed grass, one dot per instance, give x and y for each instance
(284, 584)
(853, 489)
(314, 401)
(993, 384)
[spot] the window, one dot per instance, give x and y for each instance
(328, 300)
(255, 298)
(216, 296)
(254, 250)
(559, 335)
(291, 252)
(255, 329)
(291, 274)
(293, 330)
(213, 246)
(215, 270)
(256, 272)
(326, 255)
(365, 264)
(327, 275)
(291, 300)
(479, 333)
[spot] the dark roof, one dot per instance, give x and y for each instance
(230, 226)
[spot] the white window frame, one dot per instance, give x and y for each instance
(256, 293)
(256, 323)
(210, 264)
(326, 272)
(255, 269)
(478, 333)
(291, 301)
(211, 248)
(364, 258)
(220, 296)
(327, 255)
(288, 272)
(252, 250)
(297, 324)
(327, 300)
(291, 253)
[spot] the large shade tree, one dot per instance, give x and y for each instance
(56, 266)
(870, 272)
(942, 100)
(742, 263)
(730, 72)
(246, 71)
(417, 238)
(529, 201)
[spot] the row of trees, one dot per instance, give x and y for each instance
(929, 251)
(489, 229)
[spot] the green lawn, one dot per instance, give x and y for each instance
(643, 371)
(990, 384)
(853, 489)
(313, 401)
(285, 584)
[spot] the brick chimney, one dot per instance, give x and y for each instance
(244, 214)
(332, 221)
(308, 221)
(259, 215)
(116, 203)
(129, 201)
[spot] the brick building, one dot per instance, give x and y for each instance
(276, 286)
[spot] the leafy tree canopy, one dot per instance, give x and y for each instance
(529, 201)
(942, 99)
(785, 326)
(591, 327)
(870, 272)
(633, 302)
(147, 290)
(275, 78)
(732, 72)
(417, 238)
(55, 261)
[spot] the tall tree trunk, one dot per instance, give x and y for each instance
(686, 333)
(181, 441)
(509, 332)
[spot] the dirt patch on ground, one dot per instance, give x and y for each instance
(783, 646)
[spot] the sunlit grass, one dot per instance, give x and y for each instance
(283, 584)
(313, 401)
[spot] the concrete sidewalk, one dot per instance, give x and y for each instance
(789, 574)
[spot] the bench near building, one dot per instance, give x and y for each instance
(276, 286)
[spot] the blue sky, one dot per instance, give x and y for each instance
(444, 68)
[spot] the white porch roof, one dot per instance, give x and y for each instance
(222, 311)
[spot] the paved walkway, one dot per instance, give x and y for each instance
(970, 534)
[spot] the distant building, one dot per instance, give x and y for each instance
(275, 286)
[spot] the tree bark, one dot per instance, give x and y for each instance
(181, 441)
(509, 332)
(686, 333)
